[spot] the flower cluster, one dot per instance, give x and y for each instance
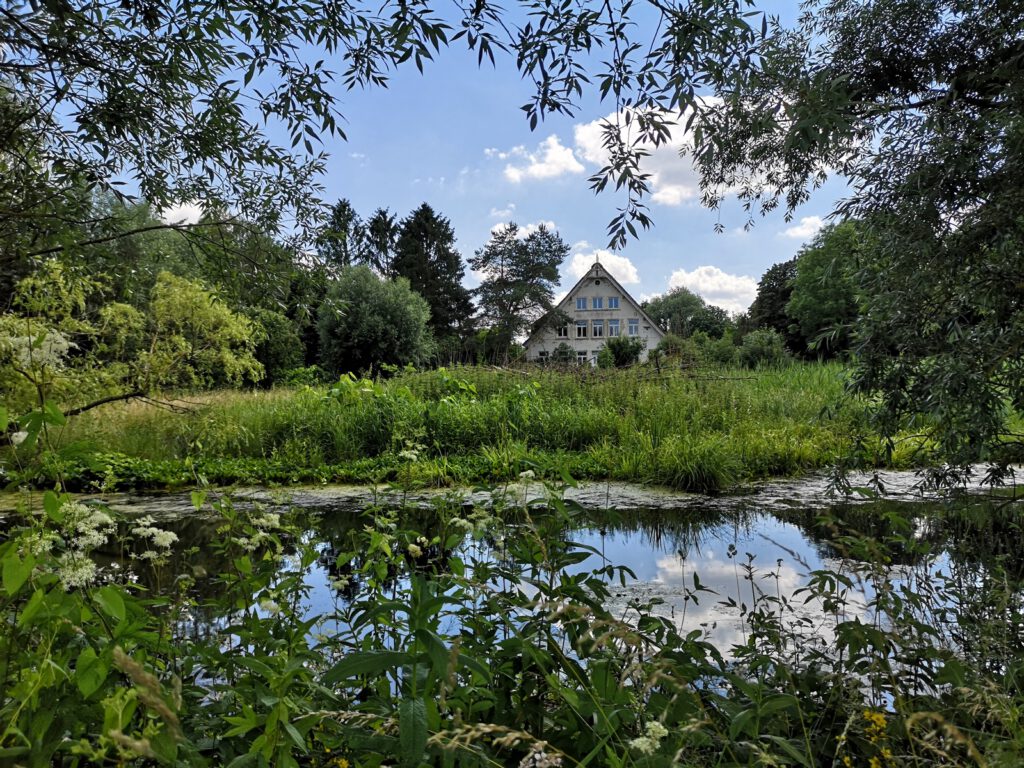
(648, 744)
(161, 540)
(85, 528)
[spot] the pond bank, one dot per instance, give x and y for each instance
(808, 492)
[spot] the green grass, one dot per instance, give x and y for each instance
(700, 433)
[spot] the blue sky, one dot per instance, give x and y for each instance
(456, 138)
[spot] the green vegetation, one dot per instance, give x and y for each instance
(700, 433)
(441, 649)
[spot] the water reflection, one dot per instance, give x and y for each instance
(713, 569)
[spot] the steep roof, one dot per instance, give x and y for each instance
(596, 270)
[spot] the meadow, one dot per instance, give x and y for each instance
(701, 431)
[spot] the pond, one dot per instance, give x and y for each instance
(705, 563)
(523, 625)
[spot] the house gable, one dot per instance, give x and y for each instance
(596, 307)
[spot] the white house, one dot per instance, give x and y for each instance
(597, 308)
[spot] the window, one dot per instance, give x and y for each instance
(581, 358)
(597, 303)
(613, 302)
(542, 354)
(613, 327)
(634, 326)
(581, 302)
(598, 329)
(581, 329)
(563, 331)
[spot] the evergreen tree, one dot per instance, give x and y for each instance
(342, 240)
(520, 275)
(381, 241)
(425, 255)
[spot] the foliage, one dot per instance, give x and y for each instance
(682, 312)
(762, 348)
(768, 310)
(341, 239)
(919, 105)
(194, 340)
(368, 322)
(279, 350)
(823, 302)
(625, 350)
(481, 634)
(519, 275)
(425, 255)
(622, 424)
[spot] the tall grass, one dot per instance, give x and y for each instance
(699, 433)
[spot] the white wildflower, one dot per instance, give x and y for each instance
(656, 730)
(527, 475)
(87, 527)
(46, 352)
(270, 606)
(75, 570)
(409, 455)
(414, 551)
(161, 539)
(340, 583)
(538, 758)
(645, 745)
(164, 539)
(267, 521)
(19, 437)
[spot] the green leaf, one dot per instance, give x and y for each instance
(110, 600)
(365, 663)
(198, 499)
(16, 571)
(90, 672)
(53, 416)
(412, 731)
(51, 505)
(4, 421)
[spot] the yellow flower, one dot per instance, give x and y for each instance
(847, 762)
(874, 762)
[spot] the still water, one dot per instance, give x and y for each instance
(706, 564)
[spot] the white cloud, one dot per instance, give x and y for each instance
(673, 179)
(529, 229)
(551, 160)
(505, 213)
(806, 229)
(525, 231)
(183, 213)
(733, 293)
(621, 268)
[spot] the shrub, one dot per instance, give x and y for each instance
(625, 350)
(763, 348)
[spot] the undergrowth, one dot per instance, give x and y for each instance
(692, 432)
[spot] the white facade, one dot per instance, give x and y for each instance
(597, 308)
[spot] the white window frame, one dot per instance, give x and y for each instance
(633, 326)
(613, 327)
(597, 302)
(581, 329)
(613, 302)
(581, 302)
(597, 329)
(563, 331)
(581, 358)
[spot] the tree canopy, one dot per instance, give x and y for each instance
(682, 312)
(367, 322)
(426, 257)
(519, 277)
